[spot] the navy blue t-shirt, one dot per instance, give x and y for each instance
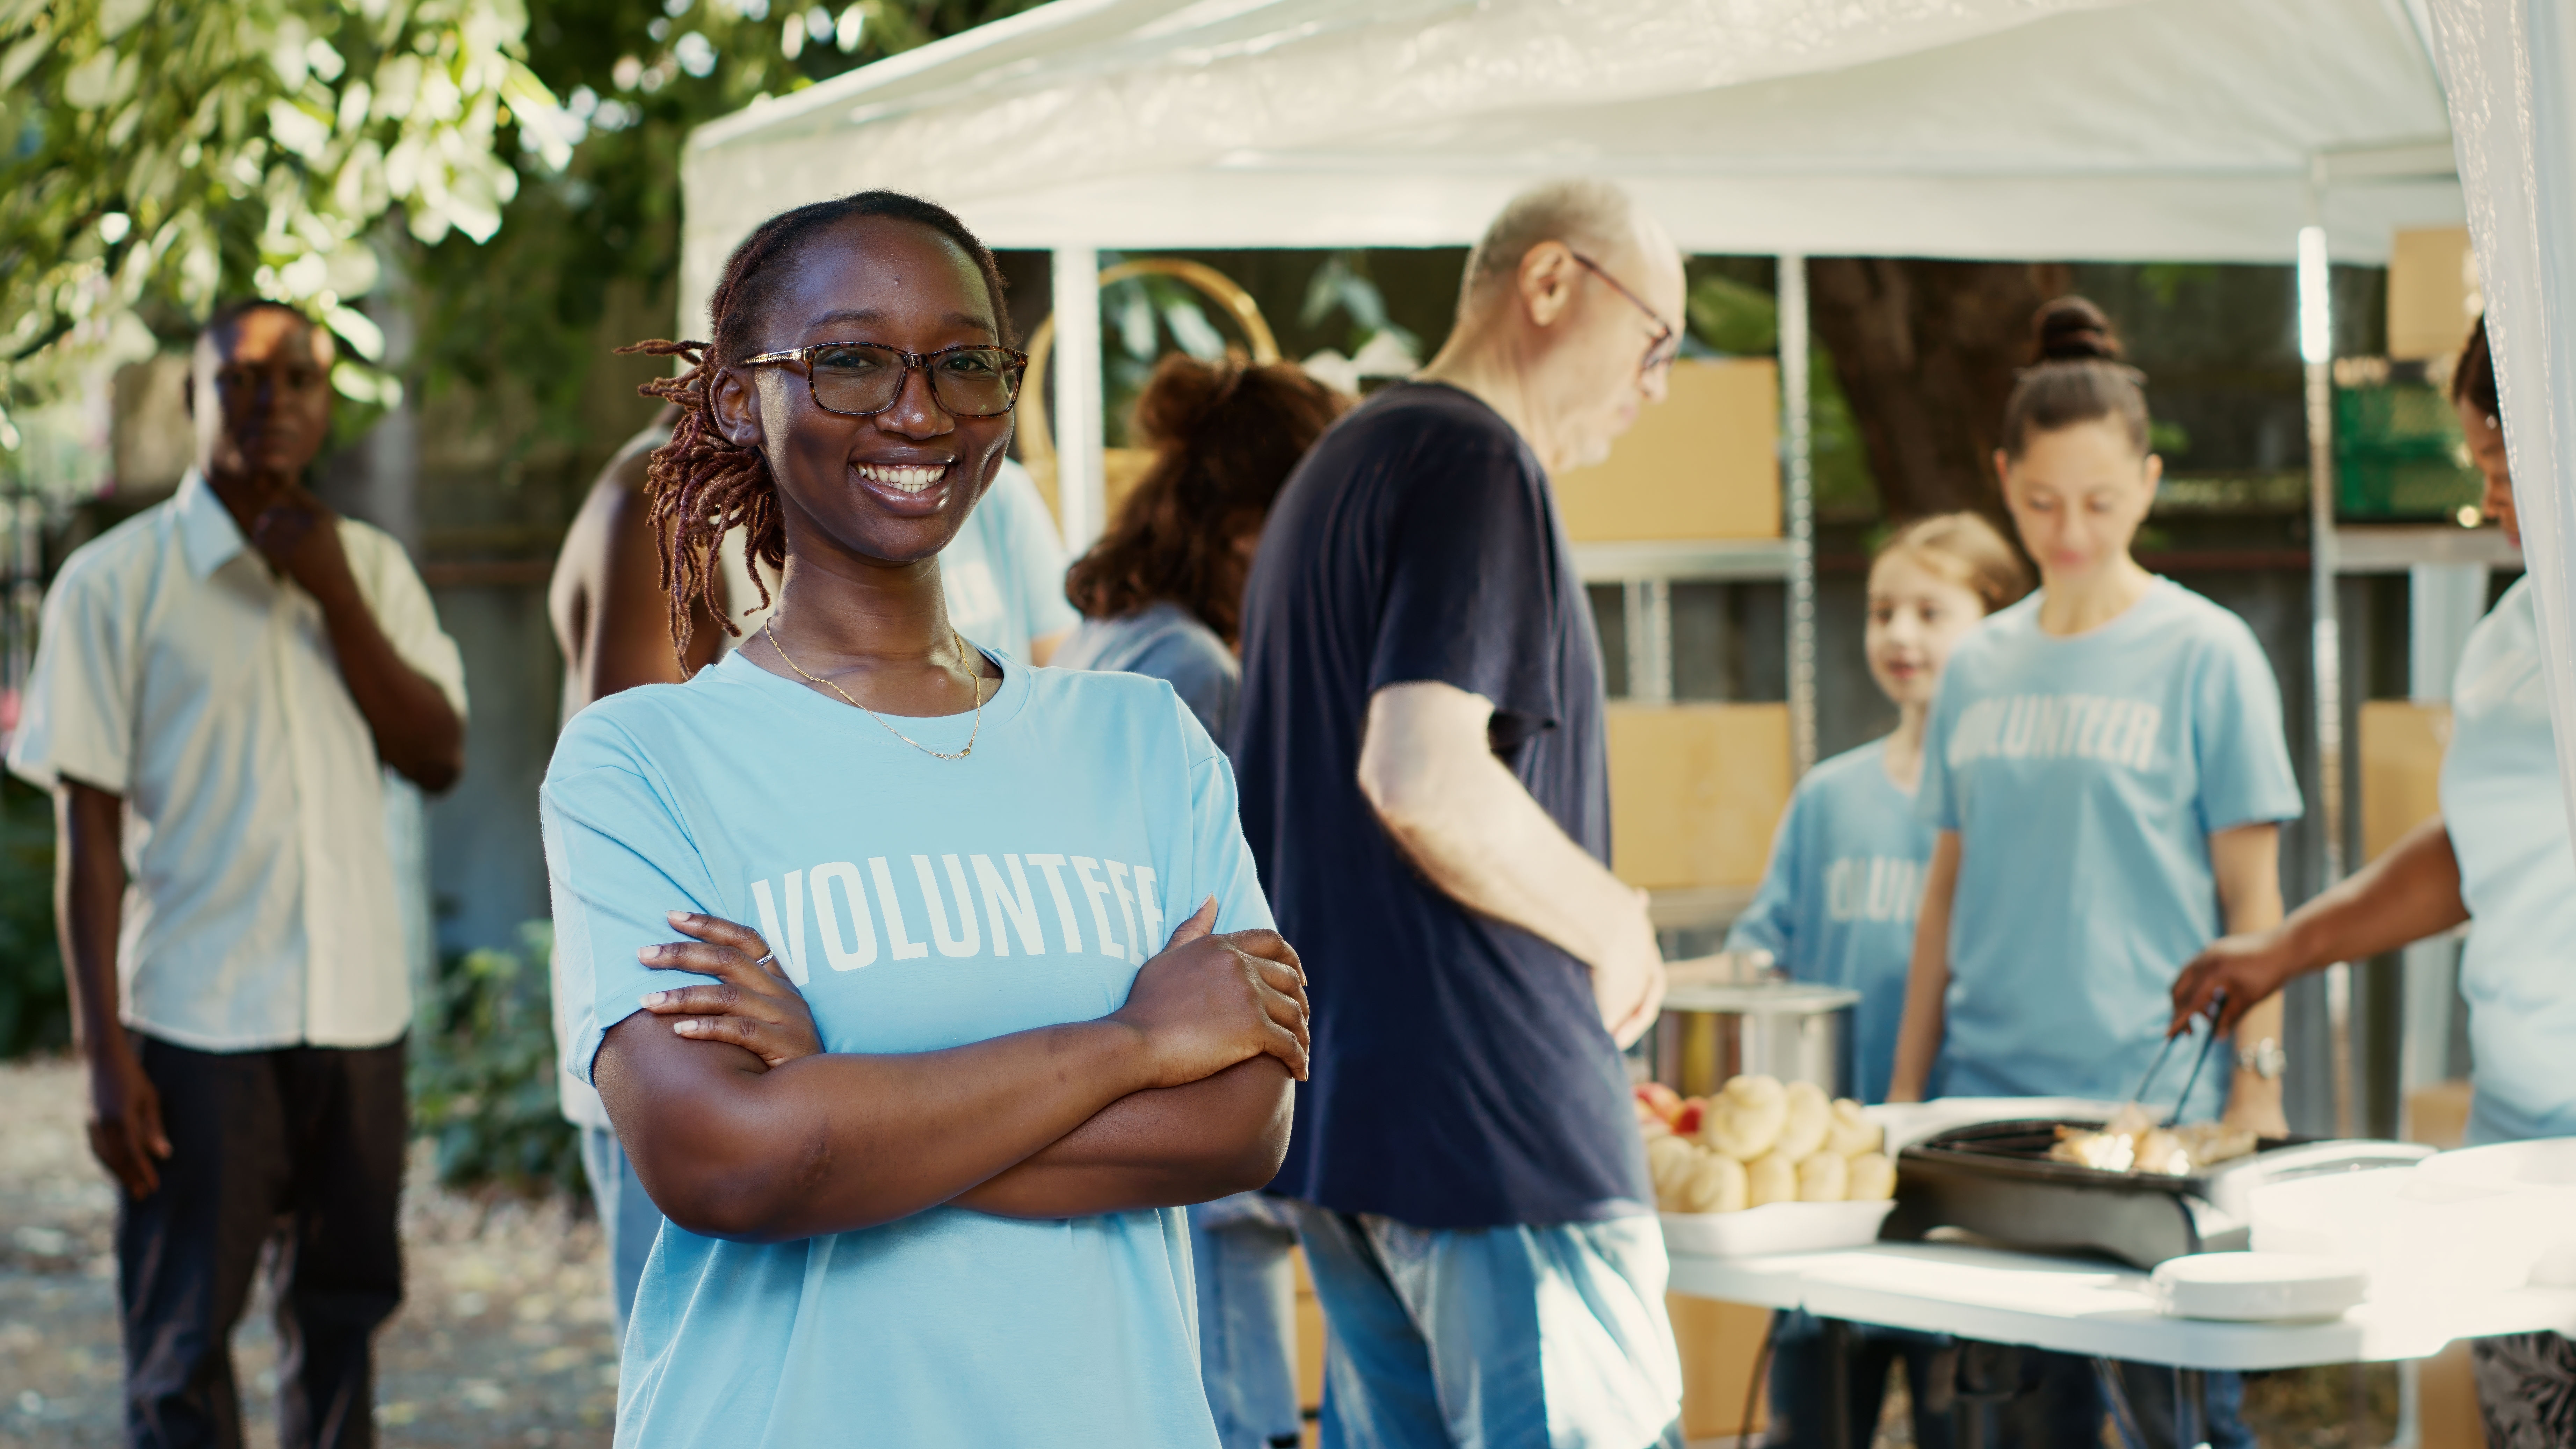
(1462, 1077)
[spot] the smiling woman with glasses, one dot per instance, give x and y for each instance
(978, 988)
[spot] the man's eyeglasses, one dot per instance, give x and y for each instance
(1668, 338)
(862, 379)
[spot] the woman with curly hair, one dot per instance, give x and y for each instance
(1162, 595)
(923, 1135)
(1162, 592)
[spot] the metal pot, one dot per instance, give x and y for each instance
(1792, 1030)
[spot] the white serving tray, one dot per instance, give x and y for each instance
(1780, 1227)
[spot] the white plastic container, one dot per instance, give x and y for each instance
(1780, 1227)
(2258, 1287)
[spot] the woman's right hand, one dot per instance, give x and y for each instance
(752, 1003)
(2249, 968)
(1208, 1001)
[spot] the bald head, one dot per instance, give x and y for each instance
(1568, 318)
(1596, 218)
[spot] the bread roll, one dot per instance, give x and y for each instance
(1853, 1133)
(1770, 1178)
(1810, 1117)
(1873, 1178)
(1651, 1123)
(1669, 1161)
(1823, 1178)
(1744, 1121)
(1717, 1185)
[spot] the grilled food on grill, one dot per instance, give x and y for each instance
(2132, 1142)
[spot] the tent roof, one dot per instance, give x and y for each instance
(2058, 129)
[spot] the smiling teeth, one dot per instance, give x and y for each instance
(905, 479)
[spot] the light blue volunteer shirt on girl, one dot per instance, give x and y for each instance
(2085, 776)
(2508, 824)
(920, 904)
(1838, 902)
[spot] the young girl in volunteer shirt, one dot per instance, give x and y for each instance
(2106, 767)
(939, 1205)
(1837, 906)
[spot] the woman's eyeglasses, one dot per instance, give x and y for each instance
(862, 379)
(1668, 338)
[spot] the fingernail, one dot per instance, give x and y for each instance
(680, 918)
(656, 998)
(685, 1028)
(650, 953)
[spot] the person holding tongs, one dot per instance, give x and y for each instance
(2497, 860)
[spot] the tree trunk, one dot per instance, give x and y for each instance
(1926, 352)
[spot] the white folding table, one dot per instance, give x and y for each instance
(2098, 1309)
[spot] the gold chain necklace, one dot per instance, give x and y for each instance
(974, 681)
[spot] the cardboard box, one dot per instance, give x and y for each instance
(1696, 791)
(2433, 293)
(2401, 768)
(1720, 1343)
(1705, 463)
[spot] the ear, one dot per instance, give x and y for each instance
(1547, 280)
(2155, 470)
(2003, 466)
(733, 408)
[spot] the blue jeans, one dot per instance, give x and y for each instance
(1247, 1318)
(627, 1218)
(1520, 1337)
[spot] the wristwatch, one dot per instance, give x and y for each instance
(2266, 1060)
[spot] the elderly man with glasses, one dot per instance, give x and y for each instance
(1425, 785)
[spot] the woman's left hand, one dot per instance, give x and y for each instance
(752, 1004)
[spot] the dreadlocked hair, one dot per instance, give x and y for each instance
(703, 485)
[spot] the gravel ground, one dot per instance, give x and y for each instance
(503, 1338)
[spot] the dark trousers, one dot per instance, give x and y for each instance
(304, 1147)
(1802, 1349)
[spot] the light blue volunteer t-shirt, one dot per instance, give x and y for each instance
(1837, 904)
(2085, 776)
(1004, 572)
(2508, 824)
(920, 904)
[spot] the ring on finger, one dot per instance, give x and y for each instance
(768, 959)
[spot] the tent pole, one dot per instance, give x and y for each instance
(1078, 441)
(1798, 469)
(2316, 349)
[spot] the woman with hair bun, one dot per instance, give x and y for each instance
(2107, 769)
(1161, 594)
(921, 1136)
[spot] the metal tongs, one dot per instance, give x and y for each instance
(2217, 1004)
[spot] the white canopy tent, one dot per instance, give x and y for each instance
(2131, 130)
(2050, 129)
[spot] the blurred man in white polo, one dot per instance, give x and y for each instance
(219, 685)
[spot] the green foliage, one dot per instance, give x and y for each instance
(35, 1010)
(168, 154)
(483, 1077)
(516, 319)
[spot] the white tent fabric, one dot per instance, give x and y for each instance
(2510, 69)
(2112, 129)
